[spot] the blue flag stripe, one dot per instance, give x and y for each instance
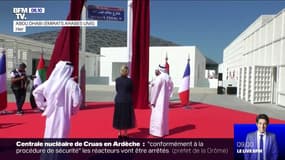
(2, 63)
(187, 70)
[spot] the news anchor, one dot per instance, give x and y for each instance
(261, 141)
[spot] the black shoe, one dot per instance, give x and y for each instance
(19, 113)
(120, 137)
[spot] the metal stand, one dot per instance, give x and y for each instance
(187, 107)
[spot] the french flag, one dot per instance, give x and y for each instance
(3, 87)
(184, 90)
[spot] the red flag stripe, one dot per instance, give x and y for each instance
(3, 102)
(184, 97)
(41, 64)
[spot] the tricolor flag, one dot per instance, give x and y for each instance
(166, 64)
(3, 86)
(40, 73)
(184, 89)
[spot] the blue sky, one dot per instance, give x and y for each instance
(210, 25)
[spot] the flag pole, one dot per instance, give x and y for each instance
(188, 105)
(166, 64)
(42, 53)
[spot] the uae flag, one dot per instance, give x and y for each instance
(40, 73)
(3, 86)
(184, 89)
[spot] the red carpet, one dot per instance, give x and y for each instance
(95, 121)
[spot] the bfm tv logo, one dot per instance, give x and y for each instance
(21, 12)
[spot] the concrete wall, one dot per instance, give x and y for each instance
(21, 49)
(177, 59)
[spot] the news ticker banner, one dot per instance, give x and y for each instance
(21, 23)
(214, 149)
(243, 147)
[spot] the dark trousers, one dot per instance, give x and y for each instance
(20, 95)
(32, 99)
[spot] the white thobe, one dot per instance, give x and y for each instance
(150, 87)
(160, 93)
(58, 117)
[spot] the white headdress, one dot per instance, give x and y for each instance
(55, 85)
(162, 68)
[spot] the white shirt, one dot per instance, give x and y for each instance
(264, 140)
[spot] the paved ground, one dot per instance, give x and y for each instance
(203, 95)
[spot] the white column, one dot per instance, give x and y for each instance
(15, 54)
(129, 32)
(272, 63)
(281, 60)
(81, 66)
(273, 39)
(83, 30)
(282, 49)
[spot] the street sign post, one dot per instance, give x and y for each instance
(105, 13)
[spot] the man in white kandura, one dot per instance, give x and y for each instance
(59, 97)
(151, 83)
(160, 95)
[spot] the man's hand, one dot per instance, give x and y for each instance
(75, 78)
(13, 80)
(33, 76)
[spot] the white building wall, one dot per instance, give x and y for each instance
(110, 55)
(91, 64)
(177, 59)
(200, 64)
(261, 44)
